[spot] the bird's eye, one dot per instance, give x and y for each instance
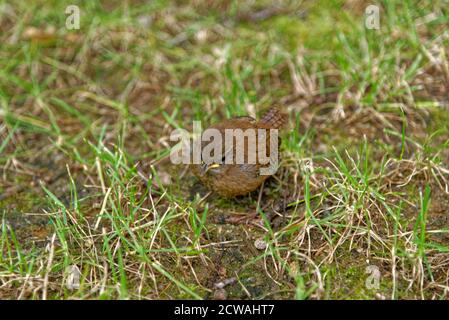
(223, 159)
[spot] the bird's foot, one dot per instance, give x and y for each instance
(247, 219)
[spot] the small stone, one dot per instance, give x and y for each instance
(260, 244)
(220, 294)
(380, 296)
(165, 178)
(224, 283)
(73, 277)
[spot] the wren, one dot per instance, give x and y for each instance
(235, 179)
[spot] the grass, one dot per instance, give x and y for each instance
(87, 189)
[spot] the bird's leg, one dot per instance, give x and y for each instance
(251, 218)
(260, 196)
(205, 197)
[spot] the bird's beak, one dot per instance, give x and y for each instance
(212, 166)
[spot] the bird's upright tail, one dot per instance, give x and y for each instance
(274, 118)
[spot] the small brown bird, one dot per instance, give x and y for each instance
(230, 180)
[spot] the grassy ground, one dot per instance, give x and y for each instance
(362, 192)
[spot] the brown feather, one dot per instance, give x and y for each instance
(230, 180)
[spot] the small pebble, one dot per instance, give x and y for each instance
(224, 283)
(380, 296)
(165, 178)
(220, 294)
(260, 244)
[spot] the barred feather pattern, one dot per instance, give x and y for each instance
(274, 119)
